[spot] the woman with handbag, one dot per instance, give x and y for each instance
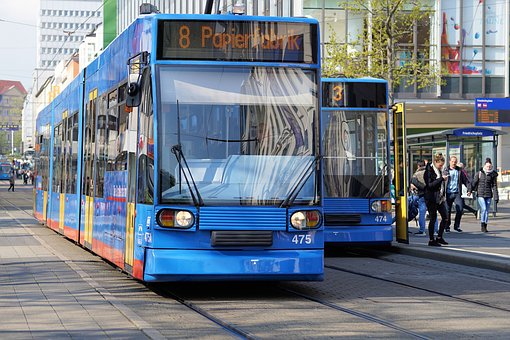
(485, 184)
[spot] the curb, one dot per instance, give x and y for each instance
(457, 256)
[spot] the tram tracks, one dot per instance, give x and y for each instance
(362, 315)
(278, 294)
(228, 327)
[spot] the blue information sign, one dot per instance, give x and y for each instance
(9, 127)
(492, 112)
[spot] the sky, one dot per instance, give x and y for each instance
(18, 40)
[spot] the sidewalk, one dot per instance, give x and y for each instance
(45, 293)
(471, 247)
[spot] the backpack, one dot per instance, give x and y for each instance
(412, 207)
(418, 175)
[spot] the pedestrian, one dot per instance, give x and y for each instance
(485, 184)
(456, 178)
(418, 185)
(435, 198)
(465, 191)
(12, 180)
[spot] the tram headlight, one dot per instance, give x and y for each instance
(184, 219)
(180, 219)
(305, 219)
(380, 206)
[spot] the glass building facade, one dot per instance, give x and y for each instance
(469, 38)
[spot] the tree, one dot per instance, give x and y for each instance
(387, 45)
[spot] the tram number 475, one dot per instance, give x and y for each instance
(302, 239)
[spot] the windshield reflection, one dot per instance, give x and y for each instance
(247, 134)
(355, 154)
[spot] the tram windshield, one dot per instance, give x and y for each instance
(246, 134)
(5, 168)
(355, 154)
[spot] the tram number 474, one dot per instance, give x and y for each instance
(380, 218)
(302, 239)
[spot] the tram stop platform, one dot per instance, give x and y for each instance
(471, 247)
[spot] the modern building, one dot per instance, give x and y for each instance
(127, 10)
(62, 26)
(12, 95)
(470, 39)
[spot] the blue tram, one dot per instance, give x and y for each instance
(188, 150)
(5, 171)
(355, 144)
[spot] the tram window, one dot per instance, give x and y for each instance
(146, 156)
(89, 150)
(45, 154)
(122, 139)
(113, 133)
(122, 93)
(112, 98)
(64, 155)
(101, 154)
(56, 158)
(74, 154)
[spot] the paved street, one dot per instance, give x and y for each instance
(52, 288)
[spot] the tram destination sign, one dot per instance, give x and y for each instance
(237, 40)
(492, 112)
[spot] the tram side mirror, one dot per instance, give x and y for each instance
(136, 65)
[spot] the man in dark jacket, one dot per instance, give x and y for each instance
(435, 198)
(456, 178)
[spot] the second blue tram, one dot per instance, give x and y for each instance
(5, 171)
(355, 144)
(188, 150)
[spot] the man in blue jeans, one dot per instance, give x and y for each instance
(418, 185)
(456, 178)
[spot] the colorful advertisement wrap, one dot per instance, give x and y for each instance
(470, 34)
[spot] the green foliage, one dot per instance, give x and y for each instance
(387, 46)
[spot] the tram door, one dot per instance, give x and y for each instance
(131, 193)
(400, 173)
(87, 199)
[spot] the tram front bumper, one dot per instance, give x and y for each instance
(359, 234)
(211, 264)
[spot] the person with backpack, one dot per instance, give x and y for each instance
(485, 184)
(465, 189)
(418, 186)
(435, 198)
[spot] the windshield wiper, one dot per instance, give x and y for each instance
(376, 183)
(231, 140)
(177, 151)
(299, 184)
